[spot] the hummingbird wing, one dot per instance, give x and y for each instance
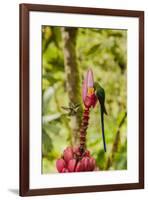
(65, 108)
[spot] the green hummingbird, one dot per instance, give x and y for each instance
(100, 94)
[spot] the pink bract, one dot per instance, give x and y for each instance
(88, 83)
(71, 165)
(90, 79)
(68, 154)
(60, 164)
(79, 167)
(84, 90)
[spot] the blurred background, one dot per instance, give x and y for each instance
(67, 53)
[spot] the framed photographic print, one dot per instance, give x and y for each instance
(81, 99)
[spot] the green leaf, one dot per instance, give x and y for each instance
(93, 49)
(46, 144)
(51, 128)
(50, 118)
(46, 98)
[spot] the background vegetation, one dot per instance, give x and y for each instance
(104, 51)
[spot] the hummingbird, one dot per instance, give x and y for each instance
(72, 109)
(100, 94)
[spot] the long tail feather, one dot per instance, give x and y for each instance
(102, 125)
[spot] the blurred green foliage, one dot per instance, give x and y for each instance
(105, 51)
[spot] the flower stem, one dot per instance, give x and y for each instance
(84, 126)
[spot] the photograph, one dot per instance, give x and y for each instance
(84, 99)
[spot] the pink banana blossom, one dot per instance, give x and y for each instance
(79, 159)
(88, 94)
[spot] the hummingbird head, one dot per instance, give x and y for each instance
(100, 93)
